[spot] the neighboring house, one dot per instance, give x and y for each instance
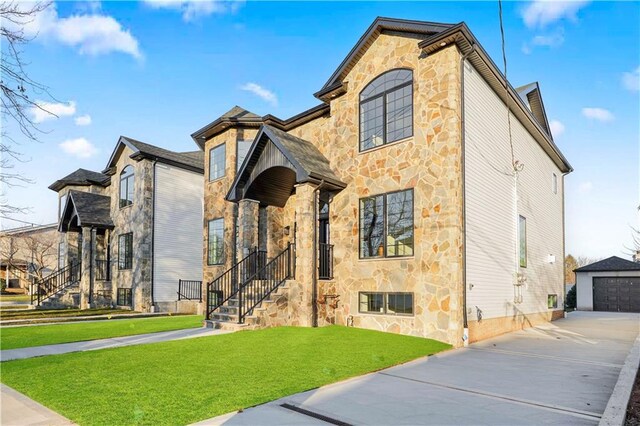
(612, 284)
(399, 203)
(130, 233)
(26, 255)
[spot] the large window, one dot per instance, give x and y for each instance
(215, 248)
(63, 201)
(386, 225)
(124, 297)
(522, 240)
(125, 251)
(386, 303)
(217, 162)
(126, 186)
(386, 109)
(60, 255)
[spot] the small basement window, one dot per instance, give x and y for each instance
(386, 303)
(552, 301)
(124, 297)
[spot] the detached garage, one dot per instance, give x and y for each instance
(611, 284)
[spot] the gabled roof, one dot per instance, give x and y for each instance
(90, 210)
(613, 263)
(187, 160)
(290, 152)
(469, 46)
(81, 177)
(531, 96)
(378, 26)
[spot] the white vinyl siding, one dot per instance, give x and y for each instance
(491, 219)
(177, 246)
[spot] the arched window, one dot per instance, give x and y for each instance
(126, 186)
(386, 109)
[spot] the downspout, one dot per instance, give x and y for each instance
(153, 227)
(91, 262)
(314, 286)
(465, 324)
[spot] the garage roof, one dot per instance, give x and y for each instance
(613, 263)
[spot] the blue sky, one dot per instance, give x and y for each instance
(157, 72)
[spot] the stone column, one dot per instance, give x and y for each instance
(248, 213)
(85, 272)
(305, 198)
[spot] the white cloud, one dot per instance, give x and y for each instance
(550, 40)
(598, 114)
(194, 9)
(540, 13)
(557, 128)
(51, 110)
(83, 120)
(585, 187)
(79, 147)
(261, 92)
(631, 80)
(91, 34)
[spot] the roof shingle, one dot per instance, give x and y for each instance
(613, 263)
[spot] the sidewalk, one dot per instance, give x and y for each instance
(92, 345)
(80, 318)
(17, 409)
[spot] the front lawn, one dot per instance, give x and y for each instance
(180, 382)
(23, 337)
(60, 313)
(15, 298)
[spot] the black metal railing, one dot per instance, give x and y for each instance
(103, 270)
(189, 290)
(264, 281)
(226, 285)
(55, 283)
(325, 261)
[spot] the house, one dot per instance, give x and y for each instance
(129, 234)
(27, 253)
(403, 202)
(612, 284)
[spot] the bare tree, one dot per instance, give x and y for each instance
(17, 91)
(33, 254)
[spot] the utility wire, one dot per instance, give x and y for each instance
(514, 164)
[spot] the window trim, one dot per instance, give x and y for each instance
(385, 226)
(522, 260)
(127, 265)
(384, 109)
(385, 303)
(126, 179)
(224, 167)
(221, 262)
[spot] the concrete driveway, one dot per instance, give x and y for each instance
(561, 373)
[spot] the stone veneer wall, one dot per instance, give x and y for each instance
(136, 218)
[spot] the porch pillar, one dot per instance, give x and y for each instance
(85, 271)
(305, 198)
(248, 213)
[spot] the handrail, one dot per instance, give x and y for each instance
(55, 282)
(264, 281)
(189, 290)
(227, 284)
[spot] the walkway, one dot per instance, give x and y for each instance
(115, 342)
(561, 373)
(17, 409)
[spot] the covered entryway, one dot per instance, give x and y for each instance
(616, 294)
(610, 285)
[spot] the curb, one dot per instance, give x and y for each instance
(616, 412)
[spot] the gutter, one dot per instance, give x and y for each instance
(465, 336)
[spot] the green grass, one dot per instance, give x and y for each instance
(59, 313)
(180, 382)
(23, 337)
(15, 298)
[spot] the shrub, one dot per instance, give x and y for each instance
(570, 301)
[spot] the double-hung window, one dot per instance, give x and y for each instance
(386, 109)
(215, 244)
(386, 225)
(126, 186)
(125, 251)
(217, 162)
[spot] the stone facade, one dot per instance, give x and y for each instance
(429, 162)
